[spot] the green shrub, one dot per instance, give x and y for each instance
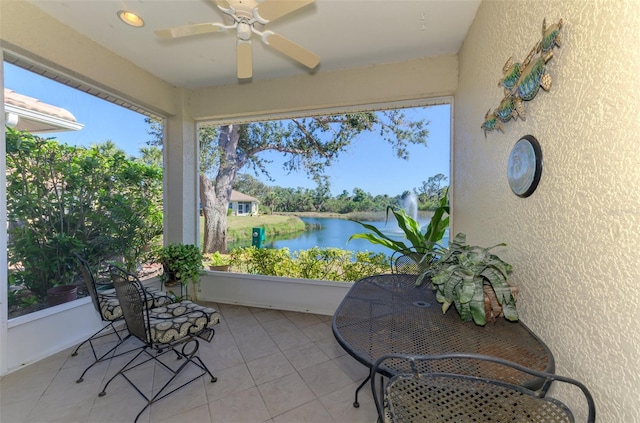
(63, 199)
(330, 264)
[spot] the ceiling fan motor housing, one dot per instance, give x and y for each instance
(244, 31)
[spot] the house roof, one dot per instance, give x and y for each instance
(238, 196)
(30, 114)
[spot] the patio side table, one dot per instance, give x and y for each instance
(388, 314)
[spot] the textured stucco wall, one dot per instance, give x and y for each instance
(575, 242)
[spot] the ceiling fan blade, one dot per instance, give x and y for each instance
(270, 10)
(291, 49)
(224, 4)
(244, 60)
(184, 31)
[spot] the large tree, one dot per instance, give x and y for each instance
(310, 144)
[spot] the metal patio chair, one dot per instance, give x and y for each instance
(428, 393)
(411, 262)
(176, 327)
(108, 307)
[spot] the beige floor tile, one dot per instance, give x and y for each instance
(330, 347)
(248, 334)
(221, 353)
(286, 393)
(325, 317)
(67, 390)
(312, 412)
(232, 310)
(264, 315)
(141, 377)
(269, 368)
(260, 346)
(340, 405)
(305, 356)
(325, 378)
(52, 364)
(16, 412)
(199, 414)
(352, 367)
(241, 321)
(161, 375)
(302, 320)
(276, 326)
(16, 388)
(318, 331)
(181, 401)
(230, 381)
(246, 407)
(121, 406)
(290, 339)
(61, 407)
(272, 366)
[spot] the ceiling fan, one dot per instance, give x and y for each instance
(249, 17)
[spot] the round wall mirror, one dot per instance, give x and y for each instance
(525, 166)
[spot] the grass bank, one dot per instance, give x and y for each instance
(239, 227)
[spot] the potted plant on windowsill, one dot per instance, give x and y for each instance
(475, 281)
(181, 263)
(217, 261)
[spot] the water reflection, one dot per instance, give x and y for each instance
(335, 233)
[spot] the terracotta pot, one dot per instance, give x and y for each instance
(61, 294)
(492, 307)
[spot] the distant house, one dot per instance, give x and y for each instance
(243, 205)
(30, 114)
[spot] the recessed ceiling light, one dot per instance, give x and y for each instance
(130, 18)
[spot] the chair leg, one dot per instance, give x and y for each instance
(125, 369)
(185, 356)
(105, 356)
(95, 336)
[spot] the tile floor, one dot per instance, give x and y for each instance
(272, 366)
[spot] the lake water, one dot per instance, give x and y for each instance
(336, 232)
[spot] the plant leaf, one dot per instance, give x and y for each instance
(509, 311)
(378, 238)
(477, 306)
(409, 226)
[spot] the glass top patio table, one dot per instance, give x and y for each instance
(387, 314)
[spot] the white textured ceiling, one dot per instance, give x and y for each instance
(344, 33)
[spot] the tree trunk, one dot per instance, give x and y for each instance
(215, 196)
(214, 239)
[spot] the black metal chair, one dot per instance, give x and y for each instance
(162, 330)
(429, 393)
(411, 262)
(108, 307)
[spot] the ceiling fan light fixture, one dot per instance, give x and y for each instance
(130, 18)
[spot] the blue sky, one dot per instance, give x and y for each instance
(370, 164)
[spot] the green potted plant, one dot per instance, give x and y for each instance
(426, 242)
(181, 263)
(475, 281)
(217, 261)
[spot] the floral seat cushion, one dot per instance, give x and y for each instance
(110, 306)
(177, 320)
